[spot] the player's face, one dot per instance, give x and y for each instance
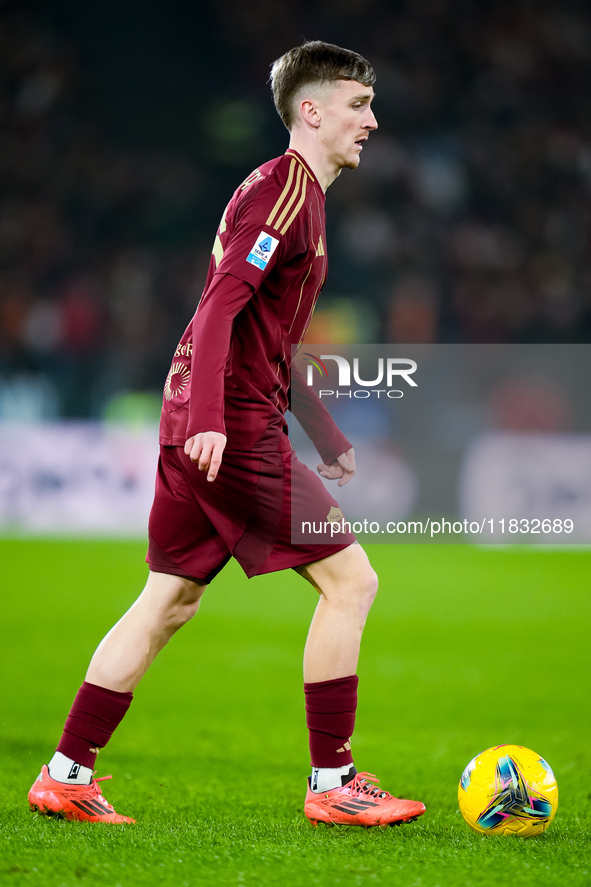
(347, 120)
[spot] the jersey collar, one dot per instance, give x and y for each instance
(291, 153)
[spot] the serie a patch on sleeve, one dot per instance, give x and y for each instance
(263, 249)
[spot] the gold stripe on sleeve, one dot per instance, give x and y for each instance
(284, 193)
(293, 197)
(298, 207)
(291, 154)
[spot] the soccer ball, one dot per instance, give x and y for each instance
(508, 790)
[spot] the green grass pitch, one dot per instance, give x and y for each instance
(465, 648)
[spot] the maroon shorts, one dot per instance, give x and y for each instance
(247, 512)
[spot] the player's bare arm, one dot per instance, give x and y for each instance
(343, 468)
(207, 449)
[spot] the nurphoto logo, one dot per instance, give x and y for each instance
(390, 371)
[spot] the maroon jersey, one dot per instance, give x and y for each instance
(231, 370)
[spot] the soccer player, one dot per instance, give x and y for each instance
(227, 478)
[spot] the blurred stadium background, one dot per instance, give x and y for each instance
(124, 127)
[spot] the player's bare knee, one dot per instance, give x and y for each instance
(173, 600)
(181, 614)
(355, 592)
(346, 579)
(371, 584)
(362, 578)
(185, 604)
(366, 587)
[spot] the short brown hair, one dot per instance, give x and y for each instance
(314, 62)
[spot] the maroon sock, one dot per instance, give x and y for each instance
(95, 714)
(330, 715)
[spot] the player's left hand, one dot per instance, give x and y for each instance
(342, 468)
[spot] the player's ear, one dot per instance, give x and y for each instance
(310, 112)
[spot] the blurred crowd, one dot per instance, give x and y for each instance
(469, 219)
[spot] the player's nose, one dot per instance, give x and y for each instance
(370, 122)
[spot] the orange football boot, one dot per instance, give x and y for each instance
(359, 802)
(81, 802)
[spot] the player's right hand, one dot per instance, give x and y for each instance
(207, 448)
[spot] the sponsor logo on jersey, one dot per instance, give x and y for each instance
(177, 380)
(263, 249)
(256, 176)
(334, 516)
